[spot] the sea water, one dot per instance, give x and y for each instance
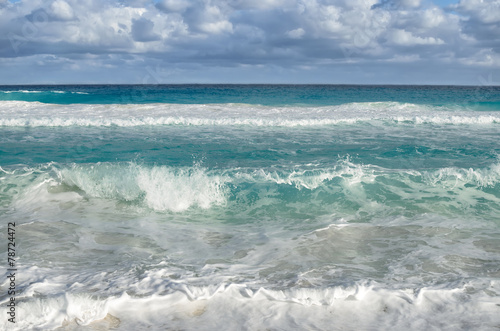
(252, 207)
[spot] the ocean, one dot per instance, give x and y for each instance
(250, 207)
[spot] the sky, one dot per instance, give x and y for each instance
(454, 42)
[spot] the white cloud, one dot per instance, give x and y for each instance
(483, 10)
(173, 5)
(61, 10)
(432, 18)
(484, 58)
(481, 22)
(405, 38)
(216, 27)
(208, 17)
(296, 33)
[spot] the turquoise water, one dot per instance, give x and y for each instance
(253, 206)
(485, 97)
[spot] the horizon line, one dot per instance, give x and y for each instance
(247, 84)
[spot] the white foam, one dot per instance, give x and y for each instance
(26, 91)
(311, 179)
(47, 91)
(56, 312)
(161, 188)
(352, 174)
(179, 190)
(34, 114)
(232, 306)
(457, 177)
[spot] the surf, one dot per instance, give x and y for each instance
(36, 114)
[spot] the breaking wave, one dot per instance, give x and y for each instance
(345, 187)
(35, 114)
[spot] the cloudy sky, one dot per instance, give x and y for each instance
(250, 41)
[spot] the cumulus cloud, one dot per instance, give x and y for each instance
(481, 22)
(405, 38)
(287, 34)
(481, 10)
(61, 10)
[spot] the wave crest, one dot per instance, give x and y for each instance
(161, 188)
(346, 189)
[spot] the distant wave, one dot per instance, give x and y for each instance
(35, 114)
(63, 122)
(22, 91)
(46, 91)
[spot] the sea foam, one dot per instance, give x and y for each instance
(161, 188)
(240, 307)
(35, 114)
